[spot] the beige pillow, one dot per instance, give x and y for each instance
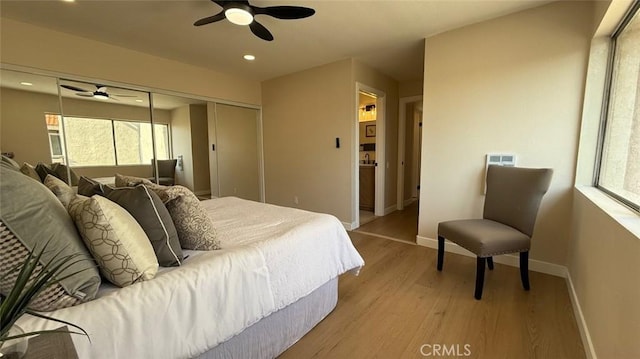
(195, 230)
(30, 171)
(62, 190)
(130, 181)
(114, 238)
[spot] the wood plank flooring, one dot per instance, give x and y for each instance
(400, 225)
(400, 303)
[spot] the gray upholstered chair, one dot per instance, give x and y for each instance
(510, 209)
(166, 172)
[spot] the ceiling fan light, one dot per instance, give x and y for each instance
(238, 16)
(101, 96)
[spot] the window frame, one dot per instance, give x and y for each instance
(113, 134)
(606, 106)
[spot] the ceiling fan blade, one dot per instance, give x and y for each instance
(284, 12)
(260, 31)
(85, 94)
(73, 88)
(208, 20)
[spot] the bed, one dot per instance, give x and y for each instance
(273, 281)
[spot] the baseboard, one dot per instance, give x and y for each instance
(349, 226)
(508, 259)
(407, 202)
(589, 350)
(390, 209)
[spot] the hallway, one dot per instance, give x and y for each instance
(399, 225)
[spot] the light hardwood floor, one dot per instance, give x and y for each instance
(400, 303)
(400, 225)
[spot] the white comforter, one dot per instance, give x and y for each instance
(272, 257)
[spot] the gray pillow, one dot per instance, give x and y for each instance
(88, 187)
(43, 170)
(147, 208)
(60, 171)
(33, 216)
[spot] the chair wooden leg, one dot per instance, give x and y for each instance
(524, 269)
(440, 252)
(490, 263)
(480, 277)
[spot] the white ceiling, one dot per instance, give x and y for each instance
(385, 34)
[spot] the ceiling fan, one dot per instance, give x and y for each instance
(100, 92)
(243, 13)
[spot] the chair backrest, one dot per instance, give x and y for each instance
(166, 168)
(514, 195)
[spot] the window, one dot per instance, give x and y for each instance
(619, 167)
(105, 142)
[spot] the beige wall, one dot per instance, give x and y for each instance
(302, 115)
(372, 78)
(409, 156)
(27, 45)
(604, 270)
(512, 84)
(200, 148)
(605, 246)
(410, 88)
(181, 143)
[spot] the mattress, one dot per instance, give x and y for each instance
(271, 257)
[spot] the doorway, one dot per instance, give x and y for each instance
(369, 154)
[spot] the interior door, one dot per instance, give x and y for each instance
(237, 152)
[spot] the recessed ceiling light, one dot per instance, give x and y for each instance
(138, 100)
(69, 0)
(249, 57)
(26, 83)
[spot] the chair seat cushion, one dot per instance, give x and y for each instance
(484, 237)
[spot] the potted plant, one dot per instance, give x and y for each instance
(30, 282)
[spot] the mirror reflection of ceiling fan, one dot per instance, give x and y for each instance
(100, 92)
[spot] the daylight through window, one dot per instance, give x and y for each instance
(105, 142)
(619, 172)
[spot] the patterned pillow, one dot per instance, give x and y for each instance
(116, 241)
(130, 181)
(154, 218)
(195, 230)
(30, 171)
(32, 216)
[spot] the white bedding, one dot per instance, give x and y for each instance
(272, 257)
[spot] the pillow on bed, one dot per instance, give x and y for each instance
(30, 171)
(195, 230)
(31, 216)
(130, 181)
(10, 162)
(60, 171)
(43, 170)
(62, 190)
(154, 218)
(114, 238)
(88, 187)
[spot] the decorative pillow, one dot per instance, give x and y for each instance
(147, 208)
(88, 187)
(10, 162)
(43, 170)
(117, 242)
(130, 181)
(194, 226)
(61, 172)
(30, 171)
(32, 216)
(62, 190)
